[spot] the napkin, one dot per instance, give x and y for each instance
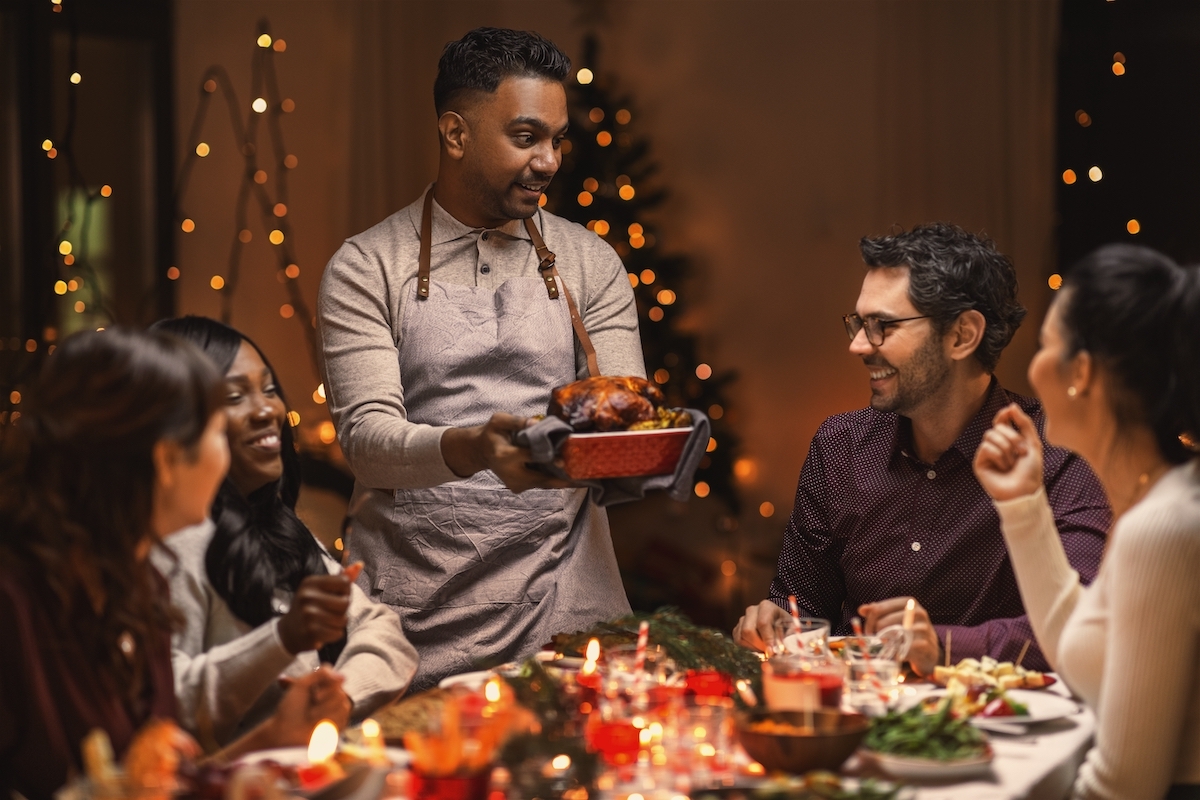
(546, 437)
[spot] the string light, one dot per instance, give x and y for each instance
(106, 191)
(60, 287)
(217, 282)
(635, 229)
(596, 115)
(74, 284)
(1133, 226)
(259, 105)
(79, 306)
(601, 227)
(584, 76)
(47, 145)
(1055, 282)
(264, 40)
(633, 280)
(591, 184)
(327, 432)
(319, 394)
(1095, 174)
(1083, 118)
(665, 297)
(64, 247)
(276, 237)
(704, 372)
(286, 311)
(648, 276)
(292, 271)
(1069, 177)
(542, 200)
(173, 273)
(51, 153)
(712, 445)
(293, 418)
(626, 192)
(584, 199)
(260, 176)
(210, 86)
(280, 210)
(76, 78)
(202, 149)
(655, 314)
(604, 138)
(14, 397)
(279, 46)
(623, 117)
(187, 226)
(245, 235)
(288, 105)
(701, 489)
(637, 242)
(767, 509)
(715, 412)
(290, 161)
(661, 376)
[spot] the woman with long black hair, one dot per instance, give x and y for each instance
(260, 596)
(121, 441)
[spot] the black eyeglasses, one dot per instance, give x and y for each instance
(874, 326)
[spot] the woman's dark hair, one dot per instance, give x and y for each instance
(1138, 314)
(479, 61)
(259, 544)
(78, 478)
(952, 271)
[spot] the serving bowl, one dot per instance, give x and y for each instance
(780, 740)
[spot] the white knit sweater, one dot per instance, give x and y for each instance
(1129, 644)
(226, 673)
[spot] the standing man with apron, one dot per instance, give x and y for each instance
(446, 326)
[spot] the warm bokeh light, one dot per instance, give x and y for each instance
(293, 418)
(584, 199)
(584, 76)
(245, 235)
(288, 105)
(491, 691)
(280, 210)
(566, 146)
(636, 230)
(591, 184)
(655, 314)
(633, 280)
(323, 743)
(648, 276)
(276, 236)
(106, 191)
(596, 115)
(702, 489)
(626, 192)
(68, 259)
(217, 282)
(51, 153)
(601, 227)
(292, 271)
(661, 375)
(187, 226)
(728, 568)
(622, 117)
(1083, 118)
(745, 470)
(715, 411)
(260, 176)
(1118, 68)
(210, 86)
(703, 372)
(665, 297)
(326, 432)
(64, 247)
(1055, 282)
(561, 762)
(79, 306)
(74, 284)
(604, 138)
(286, 311)
(47, 145)
(542, 201)
(259, 105)
(76, 77)
(14, 397)
(637, 242)
(623, 180)
(1133, 226)
(712, 445)
(1095, 174)
(318, 394)
(264, 40)
(1069, 177)
(203, 149)
(173, 273)
(279, 46)
(290, 161)
(60, 287)
(766, 509)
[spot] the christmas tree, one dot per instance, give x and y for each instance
(606, 182)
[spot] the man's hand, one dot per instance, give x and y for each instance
(318, 613)
(308, 700)
(1008, 463)
(489, 446)
(925, 650)
(756, 628)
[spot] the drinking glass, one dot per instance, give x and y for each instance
(872, 684)
(803, 635)
(800, 682)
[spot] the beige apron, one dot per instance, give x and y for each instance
(474, 570)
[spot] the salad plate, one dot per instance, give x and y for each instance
(928, 769)
(1042, 707)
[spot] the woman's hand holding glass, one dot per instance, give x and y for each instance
(316, 615)
(1008, 463)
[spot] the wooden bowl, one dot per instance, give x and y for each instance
(834, 737)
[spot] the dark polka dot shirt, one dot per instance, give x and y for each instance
(872, 522)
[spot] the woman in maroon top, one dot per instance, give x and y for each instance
(121, 442)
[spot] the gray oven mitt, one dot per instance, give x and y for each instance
(545, 439)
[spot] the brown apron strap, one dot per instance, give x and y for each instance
(423, 253)
(550, 276)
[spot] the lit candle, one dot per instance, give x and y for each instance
(321, 768)
(588, 676)
(373, 736)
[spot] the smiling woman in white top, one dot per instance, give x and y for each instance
(261, 596)
(1118, 374)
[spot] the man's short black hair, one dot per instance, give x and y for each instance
(952, 271)
(479, 61)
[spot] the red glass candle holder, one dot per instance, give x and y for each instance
(450, 787)
(709, 683)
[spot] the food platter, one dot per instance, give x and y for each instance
(298, 756)
(928, 769)
(1043, 707)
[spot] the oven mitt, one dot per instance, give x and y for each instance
(545, 439)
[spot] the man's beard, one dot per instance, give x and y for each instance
(497, 204)
(926, 373)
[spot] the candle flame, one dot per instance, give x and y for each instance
(324, 742)
(561, 761)
(492, 691)
(370, 728)
(593, 650)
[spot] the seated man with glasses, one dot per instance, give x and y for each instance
(888, 507)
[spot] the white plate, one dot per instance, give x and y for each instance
(1043, 707)
(927, 769)
(298, 756)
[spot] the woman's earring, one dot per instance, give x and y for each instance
(1071, 391)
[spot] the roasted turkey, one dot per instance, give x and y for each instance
(606, 403)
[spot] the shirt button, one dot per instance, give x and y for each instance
(916, 546)
(931, 475)
(485, 269)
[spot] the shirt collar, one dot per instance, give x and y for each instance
(968, 441)
(445, 228)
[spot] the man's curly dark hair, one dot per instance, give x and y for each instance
(481, 59)
(952, 271)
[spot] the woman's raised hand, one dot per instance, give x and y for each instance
(1008, 463)
(317, 615)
